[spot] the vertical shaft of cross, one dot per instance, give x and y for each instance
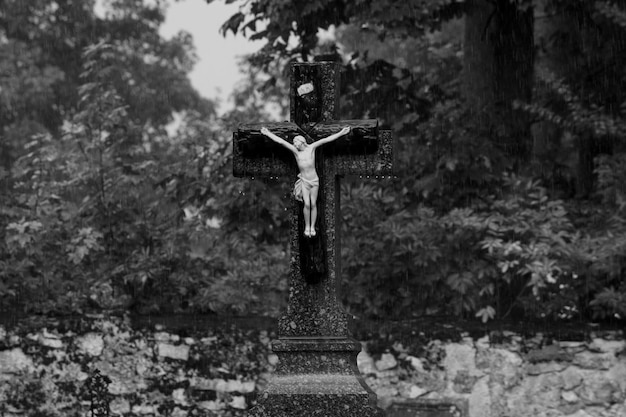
(313, 309)
(317, 373)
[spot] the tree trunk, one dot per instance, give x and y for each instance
(575, 48)
(498, 69)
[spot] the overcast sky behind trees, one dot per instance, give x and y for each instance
(216, 72)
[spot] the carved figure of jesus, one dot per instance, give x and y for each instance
(306, 187)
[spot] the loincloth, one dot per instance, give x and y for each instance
(303, 182)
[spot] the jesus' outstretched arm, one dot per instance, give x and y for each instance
(331, 138)
(266, 132)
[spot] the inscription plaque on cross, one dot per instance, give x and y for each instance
(317, 359)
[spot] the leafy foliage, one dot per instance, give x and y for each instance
(464, 257)
(111, 211)
(108, 205)
(464, 228)
(302, 19)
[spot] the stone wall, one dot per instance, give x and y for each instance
(43, 372)
(164, 372)
(515, 377)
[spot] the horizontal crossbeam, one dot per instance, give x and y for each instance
(256, 155)
(362, 152)
(378, 163)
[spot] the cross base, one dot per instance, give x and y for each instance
(345, 402)
(316, 377)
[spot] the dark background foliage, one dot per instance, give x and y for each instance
(508, 119)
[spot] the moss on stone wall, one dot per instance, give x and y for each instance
(216, 370)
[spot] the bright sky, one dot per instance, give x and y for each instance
(216, 72)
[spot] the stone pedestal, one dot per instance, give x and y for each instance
(316, 377)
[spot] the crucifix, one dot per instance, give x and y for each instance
(316, 355)
(307, 185)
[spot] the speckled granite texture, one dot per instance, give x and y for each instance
(317, 373)
(313, 310)
(319, 395)
(316, 356)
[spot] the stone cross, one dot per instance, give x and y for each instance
(317, 373)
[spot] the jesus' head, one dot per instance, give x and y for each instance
(299, 142)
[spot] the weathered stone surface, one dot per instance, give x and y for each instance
(119, 406)
(545, 389)
(313, 355)
(362, 141)
(566, 408)
(385, 394)
(201, 383)
(143, 409)
(416, 391)
(569, 396)
(365, 363)
(208, 340)
(480, 400)
(13, 361)
(386, 361)
(243, 387)
(506, 367)
(222, 385)
(506, 389)
(545, 367)
(51, 341)
(617, 373)
(572, 378)
(179, 396)
(211, 405)
(416, 363)
(483, 358)
(72, 372)
(548, 353)
(316, 373)
(238, 402)
(314, 311)
(483, 343)
(178, 352)
(580, 413)
(272, 359)
(591, 360)
(121, 386)
(178, 412)
(13, 340)
(608, 346)
(142, 366)
(443, 407)
(311, 395)
(162, 337)
(596, 389)
(463, 382)
(616, 410)
(571, 345)
(460, 357)
(91, 344)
